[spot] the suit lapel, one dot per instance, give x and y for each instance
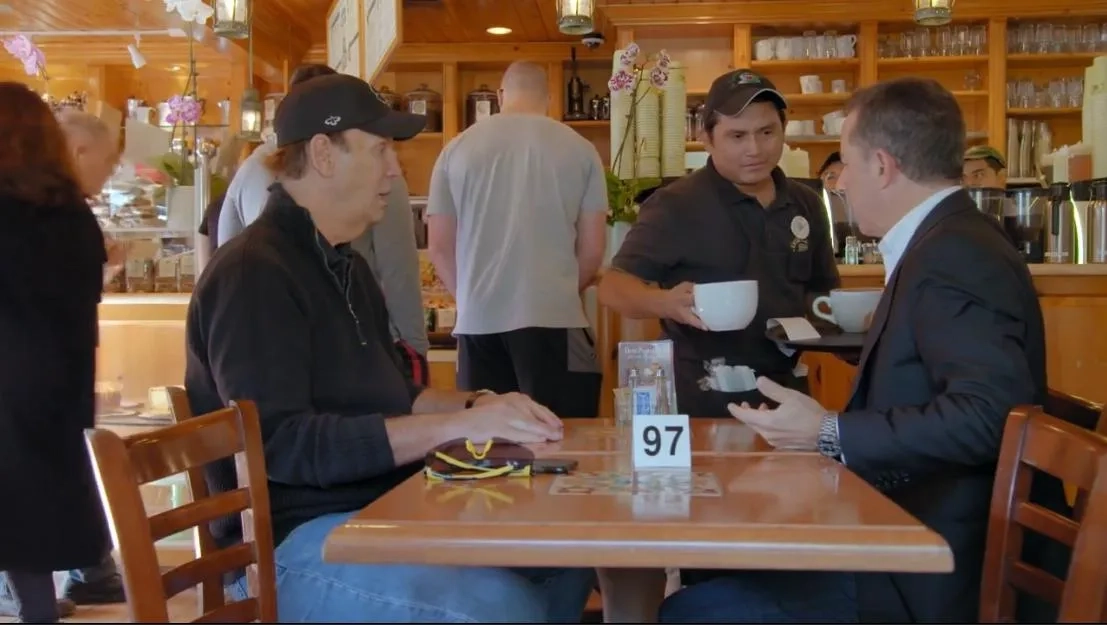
(956, 202)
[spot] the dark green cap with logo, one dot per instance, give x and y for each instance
(732, 92)
(985, 152)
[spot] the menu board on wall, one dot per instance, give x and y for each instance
(380, 34)
(343, 37)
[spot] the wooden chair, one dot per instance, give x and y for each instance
(123, 465)
(1083, 413)
(212, 594)
(1035, 441)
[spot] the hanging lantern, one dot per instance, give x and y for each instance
(574, 17)
(232, 18)
(250, 116)
(933, 12)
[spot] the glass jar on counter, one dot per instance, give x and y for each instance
(426, 101)
(481, 103)
(391, 98)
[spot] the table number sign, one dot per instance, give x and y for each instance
(662, 442)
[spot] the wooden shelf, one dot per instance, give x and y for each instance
(588, 123)
(1037, 61)
(1043, 112)
(813, 65)
(809, 99)
(933, 62)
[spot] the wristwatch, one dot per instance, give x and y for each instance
(471, 400)
(829, 444)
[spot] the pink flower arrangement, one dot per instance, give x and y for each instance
(183, 110)
(26, 52)
(630, 72)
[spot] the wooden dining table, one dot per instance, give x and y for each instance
(739, 506)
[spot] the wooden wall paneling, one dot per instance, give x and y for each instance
(556, 80)
(494, 54)
(141, 353)
(451, 123)
(742, 46)
(868, 43)
(623, 37)
(997, 83)
(800, 11)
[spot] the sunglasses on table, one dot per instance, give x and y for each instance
(465, 460)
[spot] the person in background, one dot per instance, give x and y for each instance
(984, 167)
(52, 260)
(288, 316)
(737, 218)
(831, 169)
(959, 345)
(389, 246)
(516, 229)
(93, 149)
(208, 233)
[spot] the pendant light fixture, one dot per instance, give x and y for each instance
(250, 108)
(933, 12)
(232, 18)
(574, 17)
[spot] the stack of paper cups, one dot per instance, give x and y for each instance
(622, 131)
(647, 125)
(674, 118)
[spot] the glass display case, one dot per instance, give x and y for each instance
(155, 220)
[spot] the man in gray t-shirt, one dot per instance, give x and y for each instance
(388, 246)
(517, 228)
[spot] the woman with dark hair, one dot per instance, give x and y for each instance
(51, 263)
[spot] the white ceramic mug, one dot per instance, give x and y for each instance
(784, 48)
(845, 46)
(849, 309)
(838, 86)
(763, 50)
(811, 84)
(726, 306)
(793, 128)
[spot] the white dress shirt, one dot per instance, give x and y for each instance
(893, 244)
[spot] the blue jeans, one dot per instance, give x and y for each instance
(312, 591)
(766, 597)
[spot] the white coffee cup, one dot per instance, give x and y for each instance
(849, 309)
(838, 86)
(726, 306)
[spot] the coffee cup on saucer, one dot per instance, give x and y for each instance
(849, 309)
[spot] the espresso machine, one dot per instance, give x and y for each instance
(1059, 231)
(574, 91)
(1024, 221)
(991, 202)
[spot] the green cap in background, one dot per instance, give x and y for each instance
(982, 152)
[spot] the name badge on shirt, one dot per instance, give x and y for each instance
(801, 229)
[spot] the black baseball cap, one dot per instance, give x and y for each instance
(337, 102)
(732, 92)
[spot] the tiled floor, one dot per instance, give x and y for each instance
(182, 608)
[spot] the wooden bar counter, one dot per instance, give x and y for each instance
(1074, 305)
(142, 344)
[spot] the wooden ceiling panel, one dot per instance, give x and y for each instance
(466, 21)
(53, 15)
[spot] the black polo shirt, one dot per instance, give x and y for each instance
(702, 228)
(285, 319)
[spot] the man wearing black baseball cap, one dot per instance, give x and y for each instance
(288, 316)
(738, 218)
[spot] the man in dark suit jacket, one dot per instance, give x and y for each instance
(956, 341)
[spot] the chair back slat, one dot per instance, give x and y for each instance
(122, 465)
(1033, 442)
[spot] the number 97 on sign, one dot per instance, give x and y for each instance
(662, 441)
